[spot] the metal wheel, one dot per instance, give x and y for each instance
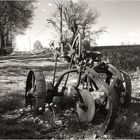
(113, 101)
(101, 114)
(30, 87)
(106, 101)
(107, 111)
(35, 94)
(86, 116)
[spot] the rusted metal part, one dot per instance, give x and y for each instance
(43, 92)
(30, 85)
(35, 90)
(114, 71)
(86, 116)
(62, 76)
(124, 82)
(68, 73)
(98, 80)
(112, 99)
(103, 68)
(40, 89)
(54, 73)
(116, 86)
(128, 89)
(76, 94)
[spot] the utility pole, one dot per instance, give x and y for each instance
(61, 31)
(30, 43)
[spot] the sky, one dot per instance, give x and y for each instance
(121, 17)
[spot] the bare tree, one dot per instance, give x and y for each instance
(38, 45)
(75, 15)
(15, 17)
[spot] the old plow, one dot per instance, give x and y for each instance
(99, 90)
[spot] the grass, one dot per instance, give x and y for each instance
(16, 124)
(22, 124)
(11, 102)
(124, 125)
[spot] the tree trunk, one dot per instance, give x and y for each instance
(2, 44)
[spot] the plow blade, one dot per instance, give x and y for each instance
(112, 105)
(86, 116)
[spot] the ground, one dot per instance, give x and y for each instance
(16, 121)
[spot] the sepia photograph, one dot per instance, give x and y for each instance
(70, 69)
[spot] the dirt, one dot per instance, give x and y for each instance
(19, 122)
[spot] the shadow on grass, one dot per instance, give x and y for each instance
(128, 125)
(10, 118)
(17, 124)
(14, 129)
(13, 126)
(11, 102)
(23, 70)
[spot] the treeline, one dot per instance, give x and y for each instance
(15, 17)
(125, 57)
(125, 60)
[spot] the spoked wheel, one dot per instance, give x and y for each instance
(30, 89)
(35, 94)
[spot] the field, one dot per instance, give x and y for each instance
(16, 121)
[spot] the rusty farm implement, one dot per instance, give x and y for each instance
(99, 88)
